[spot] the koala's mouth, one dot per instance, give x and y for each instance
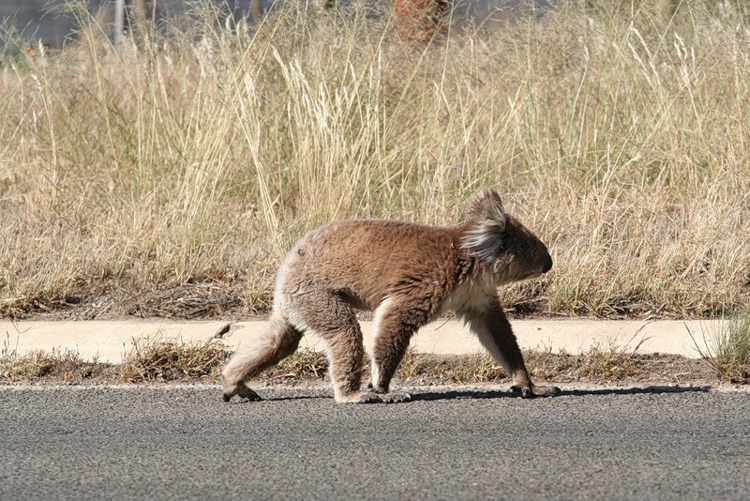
(533, 274)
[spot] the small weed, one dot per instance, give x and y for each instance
(485, 369)
(459, 369)
(64, 365)
(414, 365)
(153, 359)
(303, 363)
(546, 365)
(727, 351)
(611, 364)
(607, 364)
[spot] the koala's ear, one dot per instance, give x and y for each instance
(485, 236)
(490, 194)
(489, 209)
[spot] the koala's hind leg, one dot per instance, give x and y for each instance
(333, 320)
(495, 333)
(337, 325)
(254, 356)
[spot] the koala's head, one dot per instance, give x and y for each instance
(502, 243)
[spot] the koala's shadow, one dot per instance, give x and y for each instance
(480, 394)
(296, 398)
(428, 396)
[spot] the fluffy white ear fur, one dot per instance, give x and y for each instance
(484, 238)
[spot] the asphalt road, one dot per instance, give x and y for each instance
(185, 443)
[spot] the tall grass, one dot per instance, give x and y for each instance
(619, 134)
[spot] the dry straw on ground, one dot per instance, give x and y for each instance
(619, 134)
(161, 361)
(168, 360)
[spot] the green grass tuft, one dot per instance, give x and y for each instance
(727, 350)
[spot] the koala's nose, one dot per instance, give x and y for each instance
(547, 264)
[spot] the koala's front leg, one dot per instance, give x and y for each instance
(495, 333)
(396, 320)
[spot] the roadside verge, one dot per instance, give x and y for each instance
(110, 341)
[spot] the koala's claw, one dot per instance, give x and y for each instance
(242, 391)
(369, 398)
(394, 398)
(383, 398)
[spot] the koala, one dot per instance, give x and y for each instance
(408, 275)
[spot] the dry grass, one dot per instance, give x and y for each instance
(620, 135)
(59, 365)
(601, 365)
(304, 363)
(153, 359)
(167, 360)
(159, 360)
(456, 369)
(66, 366)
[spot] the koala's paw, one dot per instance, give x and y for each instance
(533, 391)
(241, 391)
(395, 398)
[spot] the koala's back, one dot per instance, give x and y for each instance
(367, 261)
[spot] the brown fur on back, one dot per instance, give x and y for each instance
(368, 261)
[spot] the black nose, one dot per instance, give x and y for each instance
(547, 264)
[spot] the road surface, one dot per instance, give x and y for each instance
(163, 442)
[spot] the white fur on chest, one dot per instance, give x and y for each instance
(473, 295)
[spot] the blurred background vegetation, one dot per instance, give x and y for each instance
(167, 173)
